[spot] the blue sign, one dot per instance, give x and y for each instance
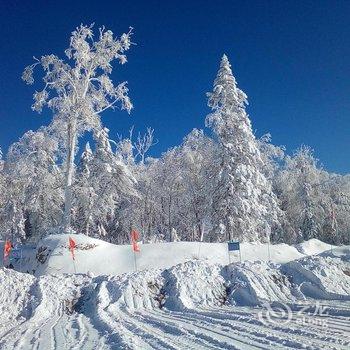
(232, 246)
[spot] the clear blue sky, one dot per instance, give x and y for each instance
(292, 58)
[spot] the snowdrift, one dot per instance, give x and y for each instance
(312, 247)
(190, 285)
(106, 311)
(52, 256)
(254, 283)
(321, 277)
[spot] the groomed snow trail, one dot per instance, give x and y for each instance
(193, 305)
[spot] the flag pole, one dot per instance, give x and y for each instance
(201, 241)
(75, 270)
(135, 261)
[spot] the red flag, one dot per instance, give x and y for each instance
(135, 246)
(7, 249)
(135, 236)
(72, 246)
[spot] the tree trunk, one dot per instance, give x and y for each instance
(71, 143)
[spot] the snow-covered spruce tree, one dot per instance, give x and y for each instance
(34, 186)
(111, 182)
(79, 89)
(337, 230)
(243, 204)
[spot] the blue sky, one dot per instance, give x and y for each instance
(292, 58)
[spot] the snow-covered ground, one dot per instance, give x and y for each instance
(99, 257)
(184, 296)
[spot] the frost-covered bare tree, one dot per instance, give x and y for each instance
(78, 89)
(196, 156)
(143, 144)
(244, 206)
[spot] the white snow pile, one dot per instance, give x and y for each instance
(252, 283)
(16, 296)
(25, 297)
(312, 247)
(321, 276)
(102, 258)
(194, 284)
(170, 276)
(139, 290)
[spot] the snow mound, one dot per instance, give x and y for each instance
(92, 255)
(312, 247)
(52, 255)
(194, 284)
(321, 277)
(140, 290)
(185, 286)
(253, 283)
(15, 303)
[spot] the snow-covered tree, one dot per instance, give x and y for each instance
(79, 89)
(34, 186)
(300, 187)
(196, 155)
(243, 205)
(112, 182)
(84, 193)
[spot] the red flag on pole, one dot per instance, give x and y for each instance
(135, 247)
(7, 249)
(72, 246)
(135, 236)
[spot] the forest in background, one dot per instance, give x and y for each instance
(219, 185)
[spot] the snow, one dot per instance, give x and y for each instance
(99, 257)
(252, 283)
(321, 277)
(182, 302)
(313, 246)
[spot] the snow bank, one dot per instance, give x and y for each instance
(179, 275)
(255, 283)
(140, 290)
(15, 301)
(313, 247)
(321, 276)
(101, 258)
(194, 284)
(25, 297)
(190, 285)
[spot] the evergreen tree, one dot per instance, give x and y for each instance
(112, 183)
(243, 205)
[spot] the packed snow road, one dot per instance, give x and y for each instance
(214, 328)
(194, 305)
(299, 302)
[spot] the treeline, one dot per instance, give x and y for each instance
(229, 185)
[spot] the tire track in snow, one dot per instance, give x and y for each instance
(292, 330)
(196, 326)
(172, 333)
